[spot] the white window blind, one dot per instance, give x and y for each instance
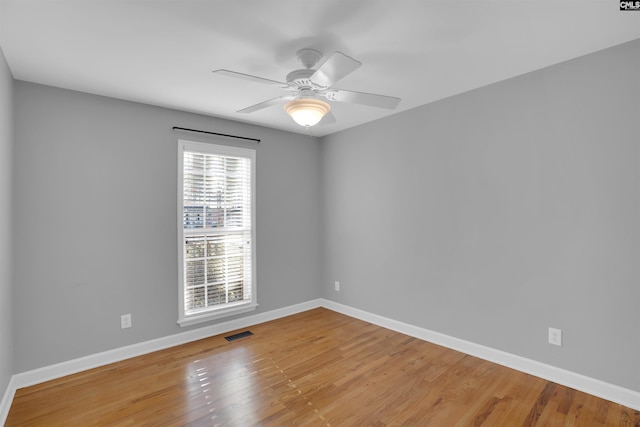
(216, 201)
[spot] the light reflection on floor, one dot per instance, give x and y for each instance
(227, 385)
(223, 393)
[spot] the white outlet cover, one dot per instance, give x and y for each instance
(555, 336)
(125, 321)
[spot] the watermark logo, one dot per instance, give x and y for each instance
(629, 5)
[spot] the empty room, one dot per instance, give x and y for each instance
(319, 213)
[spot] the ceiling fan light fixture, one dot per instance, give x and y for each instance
(307, 112)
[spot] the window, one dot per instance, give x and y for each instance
(216, 206)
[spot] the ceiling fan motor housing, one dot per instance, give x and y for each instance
(300, 80)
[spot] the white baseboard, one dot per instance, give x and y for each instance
(580, 382)
(604, 390)
(7, 398)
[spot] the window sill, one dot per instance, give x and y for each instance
(217, 314)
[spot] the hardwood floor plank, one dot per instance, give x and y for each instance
(317, 368)
(539, 406)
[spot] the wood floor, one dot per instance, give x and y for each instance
(317, 368)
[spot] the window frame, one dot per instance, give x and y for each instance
(227, 309)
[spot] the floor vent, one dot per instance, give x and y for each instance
(238, 336)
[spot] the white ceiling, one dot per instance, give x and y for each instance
(162, 52)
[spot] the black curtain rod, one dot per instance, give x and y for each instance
(218, 134)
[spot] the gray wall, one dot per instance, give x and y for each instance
(489, 216)
(6, 288)
(95, 221)
(493, 215)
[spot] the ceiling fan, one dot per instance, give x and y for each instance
(309, 84)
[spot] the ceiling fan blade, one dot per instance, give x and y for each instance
(328, 119)
(248, 77)
(266, 104)
(333, 69)
(371, 99)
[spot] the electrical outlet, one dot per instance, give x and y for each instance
(555, 336)
(125, 321)
(337, 285)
